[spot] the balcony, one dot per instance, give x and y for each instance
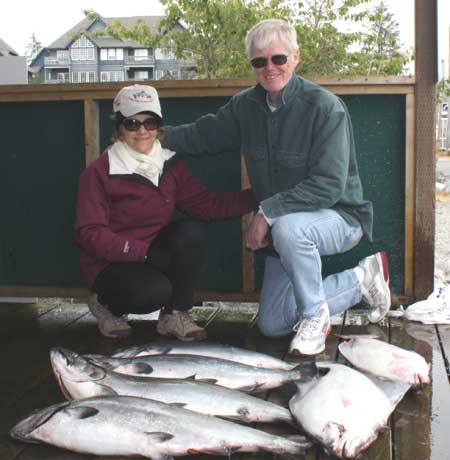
(58, 79)
(57, 61)
(139, 61)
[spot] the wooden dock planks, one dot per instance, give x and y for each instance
(418, 428)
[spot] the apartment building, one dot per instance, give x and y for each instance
(80, 59)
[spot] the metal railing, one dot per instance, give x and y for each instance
(138, 60)
(53, 60)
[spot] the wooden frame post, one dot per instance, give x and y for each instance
(425, 144)
(91, 131)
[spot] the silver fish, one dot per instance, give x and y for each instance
(79, 378)
(386, 361)
(130, 426)
(344, 410)
(215, 350)
(221, 372)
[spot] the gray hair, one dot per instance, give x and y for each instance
(269, 30)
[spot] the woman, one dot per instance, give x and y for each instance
(134, 258)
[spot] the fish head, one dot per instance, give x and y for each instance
(72, 369)
(343, 443)
(25, 429)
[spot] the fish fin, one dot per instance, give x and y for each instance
(80, 412)
(256, 388)
(194, 377)
(143, 368)
(225, 451)
(162, 349)
(105, 390)
(97, 372)
(161, 456)
(358, 336)
(138, 368)
(178, 404)
(299, 439)
(158, 436)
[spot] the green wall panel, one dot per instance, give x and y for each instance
(221, 269)
(42, 156)
(379, 130)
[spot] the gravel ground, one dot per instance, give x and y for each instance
(442, 241)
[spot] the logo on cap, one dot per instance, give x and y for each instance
(141, 96)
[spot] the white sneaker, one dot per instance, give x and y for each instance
(311, 333)
(180, 325)
(375, 286)
(109, 325)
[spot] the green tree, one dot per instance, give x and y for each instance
(324, 49)
(381, 52)
(33, 48)
(443, 90)
(214, 33)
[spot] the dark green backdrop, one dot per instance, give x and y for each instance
(43, 156)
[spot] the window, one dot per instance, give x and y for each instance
(82, 50)
(164, 53)
(82, 42)
(167, 74)
(83, 77)
(111, 76)
(111, 54)
(141, 75)
(82, 54)
(62, 54)
(62, 76)
(140, 54)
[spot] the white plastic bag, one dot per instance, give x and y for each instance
(433, 310)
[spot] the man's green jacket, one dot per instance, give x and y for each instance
(300, 157)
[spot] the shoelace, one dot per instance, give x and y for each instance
(309, 326)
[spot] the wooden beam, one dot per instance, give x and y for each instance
(425, 169)
(200, 295)
(91, 131)
(248, 266)
(410, 196)
(196, 88)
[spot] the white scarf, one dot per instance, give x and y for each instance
(124, 160)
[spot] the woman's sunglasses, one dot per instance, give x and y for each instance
(131, 124)
(260, 62)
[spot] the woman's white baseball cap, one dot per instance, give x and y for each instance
(131, 100)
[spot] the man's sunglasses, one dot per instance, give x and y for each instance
(260, 62)
(131, 124)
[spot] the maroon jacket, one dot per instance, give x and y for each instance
(119, 215)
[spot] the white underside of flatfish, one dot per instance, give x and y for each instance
(344, 410)
(386, 361)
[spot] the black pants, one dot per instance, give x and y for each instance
(137, 287)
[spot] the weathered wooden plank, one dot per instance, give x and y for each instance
(72, 327)
(331, 354)
(356, 323)
(411, 420)
(444, 338)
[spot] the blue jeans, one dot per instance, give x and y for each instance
(293, 287)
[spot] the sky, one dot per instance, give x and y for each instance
(49, 19)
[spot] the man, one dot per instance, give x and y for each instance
(297, 141)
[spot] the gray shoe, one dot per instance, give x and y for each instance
(375, 286)
(109, 325)
(311, 333)
(181, 326)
